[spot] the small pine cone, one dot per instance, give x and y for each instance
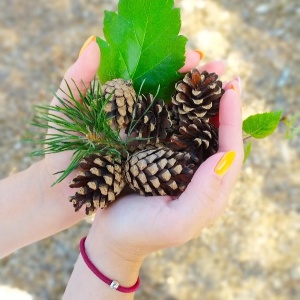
(197, 96)
(99, 182)
(159, 171)
(197, 137)
(122, 97)
(153, 121)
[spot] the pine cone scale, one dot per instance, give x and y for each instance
(93, 185)
(97, 172)
(164, 175)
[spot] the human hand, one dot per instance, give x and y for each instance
(135, 226)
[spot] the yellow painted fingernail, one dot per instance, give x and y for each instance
(225, 163)
(87, 42)
(200, 53)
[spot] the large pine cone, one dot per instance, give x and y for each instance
(197, 96)
(159, 171)
(122, 97)
(198, 137)
(99, 182)
(150, 124)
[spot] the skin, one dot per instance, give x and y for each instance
(123, 235)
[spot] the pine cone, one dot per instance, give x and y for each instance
(121, 101)
(99, 182)
(151, 121)
(197, 96)
(198, 137)
(159, 171)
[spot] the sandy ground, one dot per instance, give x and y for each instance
(253, 250)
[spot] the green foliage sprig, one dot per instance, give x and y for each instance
(260, 126)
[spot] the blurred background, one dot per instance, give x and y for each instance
(253, 251)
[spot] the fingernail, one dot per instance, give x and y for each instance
(232, 87)
(239, 81)
(200, 53)
(225, 163)
(87, 42)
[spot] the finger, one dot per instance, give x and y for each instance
(230, 117)
(233, 85)
(231, 134)
(207, 194)
(80, 74)
(198, 200)
(240, 83)
(217, 67)
(192, 60)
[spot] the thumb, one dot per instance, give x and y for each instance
(201, 197)
(78, 77)
(81, 73)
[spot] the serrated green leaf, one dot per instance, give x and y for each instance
(142, 43)
(247, 150)
(260, 126)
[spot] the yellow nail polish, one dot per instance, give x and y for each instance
(200, 53)
(225, 163)
(87, 42)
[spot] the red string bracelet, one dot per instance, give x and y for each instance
(112, 283)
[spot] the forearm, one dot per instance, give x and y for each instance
(30, 209)
(84, 284)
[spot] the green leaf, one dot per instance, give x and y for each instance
(247, 150)
(142, 43)
(260, 126)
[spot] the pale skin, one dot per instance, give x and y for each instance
(134, 226)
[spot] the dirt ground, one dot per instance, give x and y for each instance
(252, 252)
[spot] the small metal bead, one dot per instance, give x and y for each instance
(114, 285)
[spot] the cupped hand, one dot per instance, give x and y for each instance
(135, 226)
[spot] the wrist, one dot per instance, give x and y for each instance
(54, 213)
(57, 195)
(111, 261)
(48, 177)
(86, 283)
